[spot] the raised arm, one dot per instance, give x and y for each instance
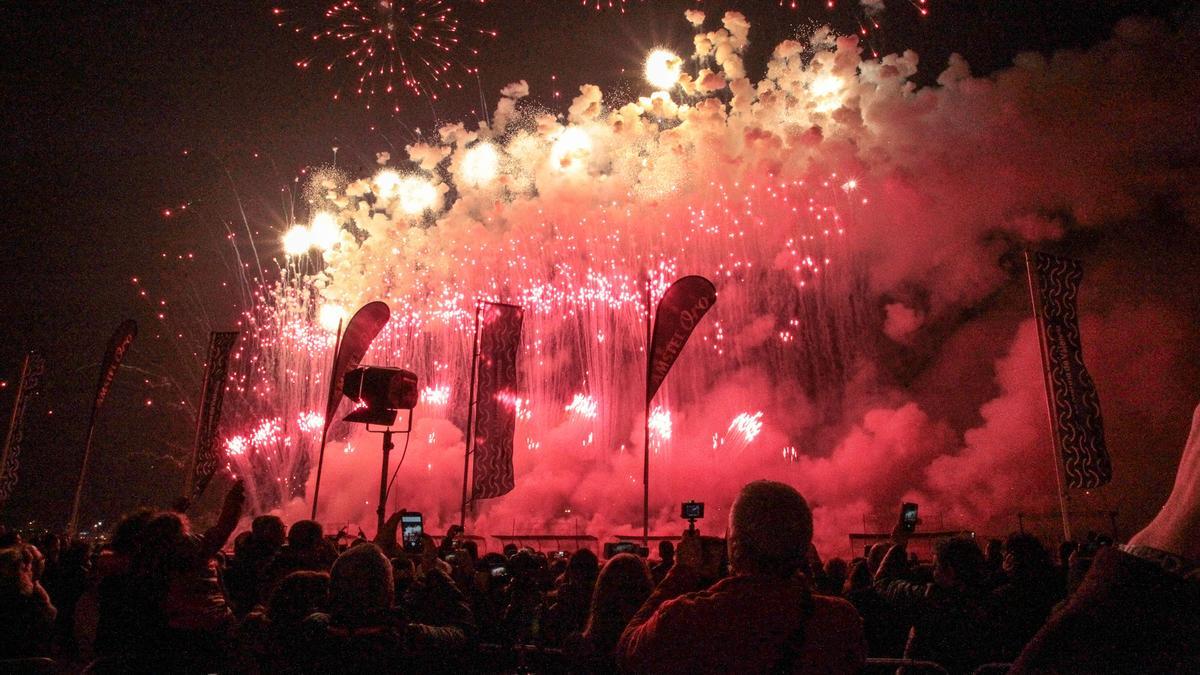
(231, 512)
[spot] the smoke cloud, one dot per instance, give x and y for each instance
(871, 341)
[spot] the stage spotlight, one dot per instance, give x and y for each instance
(380, 392)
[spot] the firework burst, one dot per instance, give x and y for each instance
(382, 51)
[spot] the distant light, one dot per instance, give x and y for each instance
(330, 316)
(324, 231)
(827, 89)
(663, 68)
(569, 153)
(386, 182)
(481, 165)
(297, 240)
(416, 195)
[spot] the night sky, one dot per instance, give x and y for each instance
(115, 113)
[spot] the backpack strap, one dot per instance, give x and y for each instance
(789, 655)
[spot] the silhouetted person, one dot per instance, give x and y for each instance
(623, 585)
(306, 549)
(764, 618)
(247, 578)
(834, 579)
(362, 631)
(884, 632)
(666, 554)
(273, 639)
(572, 598)
(953, 617)
(26, 613)
(1032, 588)
(178, 569)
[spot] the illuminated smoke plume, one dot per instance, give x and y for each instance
(869, 343)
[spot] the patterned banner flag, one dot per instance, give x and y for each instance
(206, 454)
(1074, 404)
(679, 311)
(497, 400)
(31, 374)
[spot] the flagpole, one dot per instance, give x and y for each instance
(470, 445)
(646, 429)
(337, 347)
(188, 483)
(87, 455)
(1047, 385)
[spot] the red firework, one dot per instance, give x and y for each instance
(601, 5)
(389, 49)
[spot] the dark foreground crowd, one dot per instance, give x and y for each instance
(160, 598)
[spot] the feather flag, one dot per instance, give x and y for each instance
(679, 311)
(114, 355)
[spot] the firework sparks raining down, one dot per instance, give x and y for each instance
(385, 50)
(572, 221)
(847, 217)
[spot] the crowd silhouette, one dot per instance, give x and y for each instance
(156, 596)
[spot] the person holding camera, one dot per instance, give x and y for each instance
(763, 618)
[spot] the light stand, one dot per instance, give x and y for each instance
(388, 446)
(381, 393)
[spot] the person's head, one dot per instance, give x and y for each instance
(127, 534)
(268, 530)
(875, 556)
(305, 534)
(241, 544)
(959, 563)
(160, 543)
(666, 550)
(622, 587)
(76, 555)
(1024, 555)
(298, 595)
(836, 571)
(50, 545)
(583, 567)
(770, 529)
(859, 576)
(36, 559)
(16, 572)
(360, 584)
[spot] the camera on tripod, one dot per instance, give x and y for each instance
(691, 512)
